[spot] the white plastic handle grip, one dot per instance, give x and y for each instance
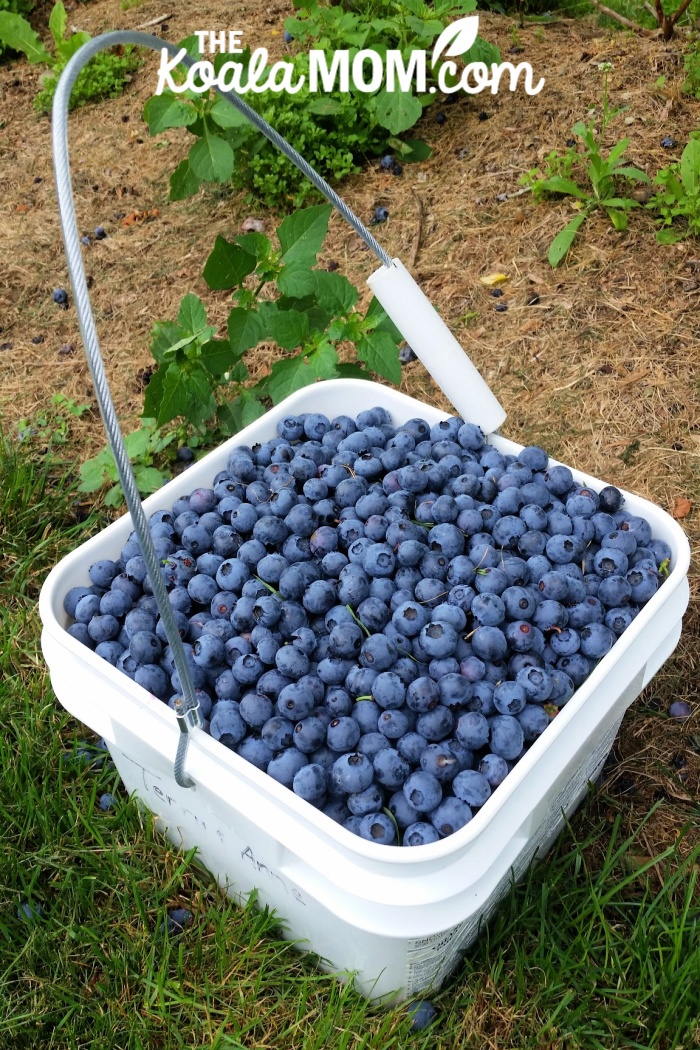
(433, 343)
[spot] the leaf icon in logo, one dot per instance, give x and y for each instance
(456, 39)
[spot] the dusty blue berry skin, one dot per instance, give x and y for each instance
(377, 613)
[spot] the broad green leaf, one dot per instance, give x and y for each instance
(16, 32)
(288, 328)
(92, 475)
(302, 233)
(58, 21)
(635, 174)
(245, 330)
(256, 244)
(240, 412)
(563, 240)
(168, 111)
(617, 218)
(201, 404)
(381, 355)
(153, 395)
(558, 184)
(239, 373)
(211, 158)
(324, 361)
(287, 376)
(216, 356)
(148, 479)
(351, 370)
(192, 315)
(183, 182)
(115, 496)
(164, 335)
(136, 443)
(414, 151)
(482, 51)
(297, 280)
(671, 236)
(68, 47)
(334, 292)
(381, 320)
(619, 202)
(690, 167)
(324, 107)
(176, 399)
(226, 115)
(617, 150)
(228, 264)
(398, 110)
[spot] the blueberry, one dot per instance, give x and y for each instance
(501, 308)
(107, 802)
(450, 815)
(440, 118)
(60, 296)
(100, 233)
(387, 162)
(32, 913)
(380, 215)
(667, 142)
(177, 921)
(420, 834)
(680, 710)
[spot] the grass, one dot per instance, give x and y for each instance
(598, 948)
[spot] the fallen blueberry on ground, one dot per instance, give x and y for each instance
(380, 215)
(107, 802)
(287, 37)
(185, 454)
(396, 169)
(668, 142)
(177, 922)
(406, 355)
(680, 710)
(100, 233)
(422, 1014)
(501, 307)
(440, 118)
(497, 293)
(387, 161)
(60, 296)
(86, 241)
(30, 912)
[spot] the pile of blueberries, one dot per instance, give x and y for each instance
(381, 617)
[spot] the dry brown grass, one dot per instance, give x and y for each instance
(603, 371)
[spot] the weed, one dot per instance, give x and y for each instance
(105, 76)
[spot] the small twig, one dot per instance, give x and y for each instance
(621, 18)
(413, 254)
(153, 22)
(649, 8)
(681, 11)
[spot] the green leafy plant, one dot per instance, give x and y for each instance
(659, 18)
(51, 425)
(144, 447)
(691, 66)
(105, 76)
(335, 132)
(16, 7)
(205, 380)
(679, 198)
(602, 172)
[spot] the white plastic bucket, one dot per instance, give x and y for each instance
(398, 919)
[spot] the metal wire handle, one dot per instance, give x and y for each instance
(187, 711)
